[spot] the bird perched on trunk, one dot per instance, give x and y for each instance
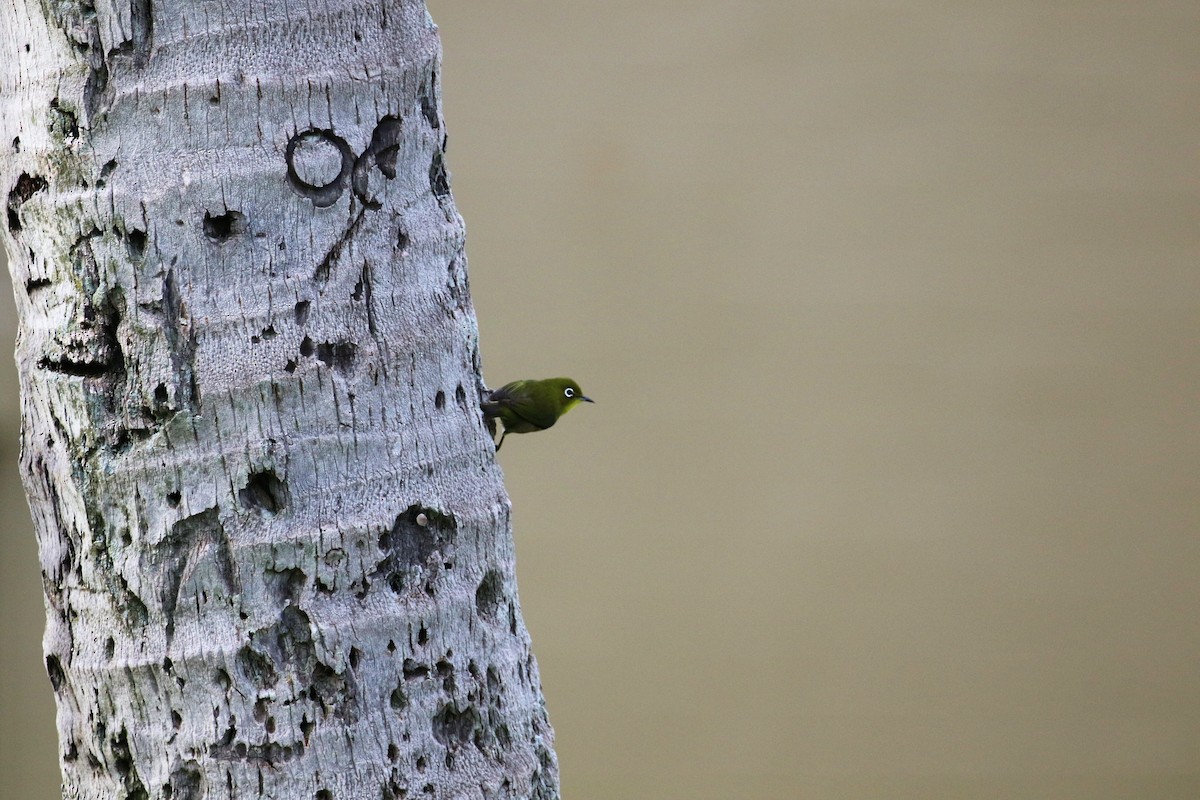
(527, 406)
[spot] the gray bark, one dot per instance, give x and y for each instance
(276, 548)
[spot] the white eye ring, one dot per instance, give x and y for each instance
(569, 392)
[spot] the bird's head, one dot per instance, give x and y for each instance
(566, 394)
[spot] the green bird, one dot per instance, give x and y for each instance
(527, 406)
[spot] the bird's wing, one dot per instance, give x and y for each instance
(499, 399)
(510, 397)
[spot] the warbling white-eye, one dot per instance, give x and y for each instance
(527, 406)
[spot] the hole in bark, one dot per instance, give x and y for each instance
(306, 727)
(265, 492)
(422, 636)
(142, 25)
(422, 763)
(401, 239)
(380, 154)
(110, 648)
(285, 583)
(393, 752)
(176, 720)
(323, 794)
(122, 756)
(416, 535)
(302, 311)
(307, 347)
(399, 699)
(445, 671)
(187, 782)
(338, 355)
(453, 726)
(135, 244)
(34, 284)
(55, 671)
(428, 108)
(95, 85)
(414, 671)
(224, 226)
(173, 499)
(222, 680)
(460, 396)
(355, 657)
(333, 690)
(489, 596)
(290, 366)
(439, 181)
(266, 334)
(26, 186)
(493, 679)
(259, 668)
(440, 399)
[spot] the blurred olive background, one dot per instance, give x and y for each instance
(891, 311)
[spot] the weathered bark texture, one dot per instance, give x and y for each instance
(276, 547)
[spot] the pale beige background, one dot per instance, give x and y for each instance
(891, 310)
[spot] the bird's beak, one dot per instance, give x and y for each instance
(586, 399)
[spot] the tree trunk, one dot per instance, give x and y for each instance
(276, 548)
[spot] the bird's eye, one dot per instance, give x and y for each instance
(569, 392)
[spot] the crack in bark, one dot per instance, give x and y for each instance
(323, 270)
(122, 762)
(364, 291)
(131, 53)
(181, 339)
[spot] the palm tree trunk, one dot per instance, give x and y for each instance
(276, 549)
